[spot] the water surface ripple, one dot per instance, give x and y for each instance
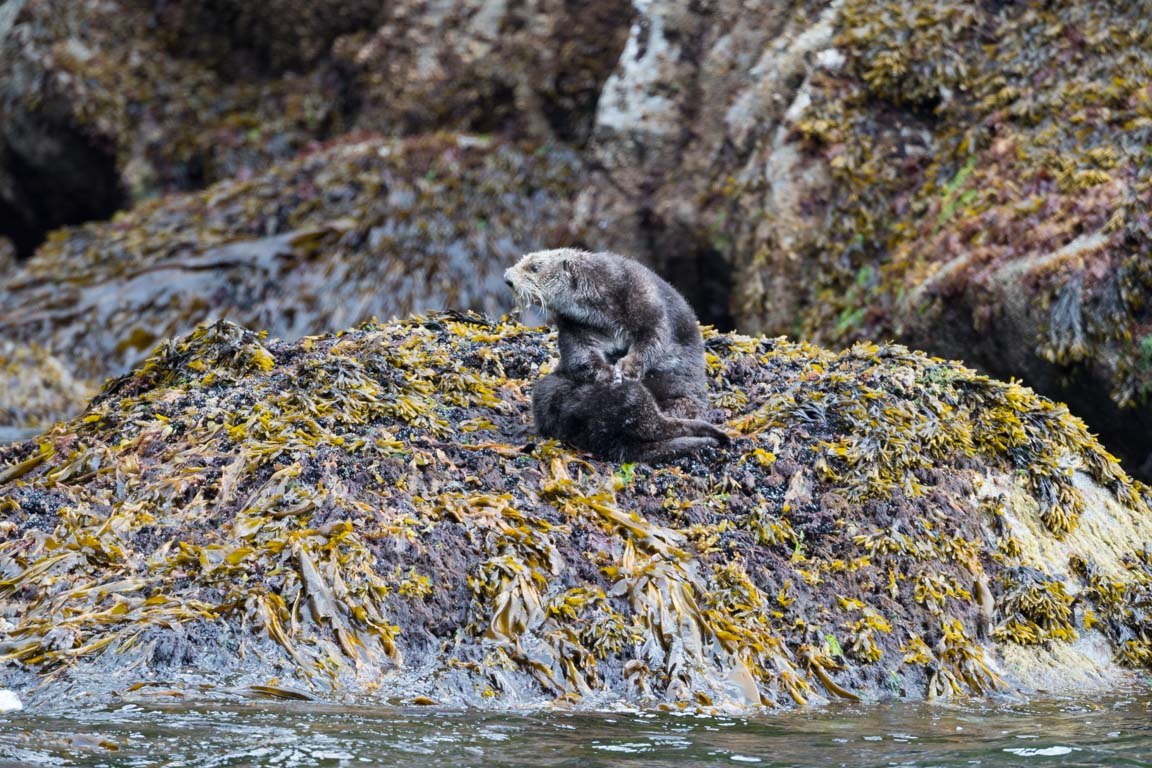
(1055, 732)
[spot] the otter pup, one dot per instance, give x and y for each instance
(616, 420)
(616, 319)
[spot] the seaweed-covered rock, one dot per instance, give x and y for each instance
(362, 228)
(96, 112)
(36, 388)
(108, 102)
(971, 178)
(367, 513)
(988, 196)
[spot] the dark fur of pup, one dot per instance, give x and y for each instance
(616, 420)
(616, 319)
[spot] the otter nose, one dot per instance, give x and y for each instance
(508, 277)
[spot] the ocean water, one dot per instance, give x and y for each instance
(1112, 730)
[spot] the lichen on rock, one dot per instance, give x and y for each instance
(367, 513)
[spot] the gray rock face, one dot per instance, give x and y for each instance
(533, 67)
(696, 112)
(269, 37)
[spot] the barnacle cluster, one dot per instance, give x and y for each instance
(368, 511)
(980, 153)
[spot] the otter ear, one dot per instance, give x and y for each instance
(570, 270)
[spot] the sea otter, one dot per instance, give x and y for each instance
(616, 420)
(616, 319)
(631, 381)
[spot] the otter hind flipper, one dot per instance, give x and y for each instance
(703, 428)
(673, 448)
(617, 421)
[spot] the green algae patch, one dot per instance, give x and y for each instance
(368, 514)
(390, 227)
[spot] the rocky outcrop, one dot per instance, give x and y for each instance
(7, 256)
(36, 389)
(104, 103)
(95, 112)
(691, 134)
(368, 513)
(989, 201)
(271, 38)
(532, 68)
(969, 178)
(812, 167)
(362, 228)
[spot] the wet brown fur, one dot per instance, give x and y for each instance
(631, 380)
(616, 319)
(616, 420)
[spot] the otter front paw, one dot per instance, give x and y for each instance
(588, 374)
(628, 368)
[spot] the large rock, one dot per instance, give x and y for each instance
(533, 67)
(271, 37)
(697, 104)
(95, 112)
(990, 199)
(967, 177)
(363, 228)
(367, 513)
(108, 102)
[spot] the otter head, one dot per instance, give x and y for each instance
(549, 279)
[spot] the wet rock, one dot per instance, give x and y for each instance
(7, 256)
(37, 388)
(697, 106)
(104, 103)
(361, 228)
(366, 513)
(982, 192)
(271, 38)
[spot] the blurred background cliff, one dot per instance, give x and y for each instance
(970, 178)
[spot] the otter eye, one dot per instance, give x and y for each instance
(533, 268)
